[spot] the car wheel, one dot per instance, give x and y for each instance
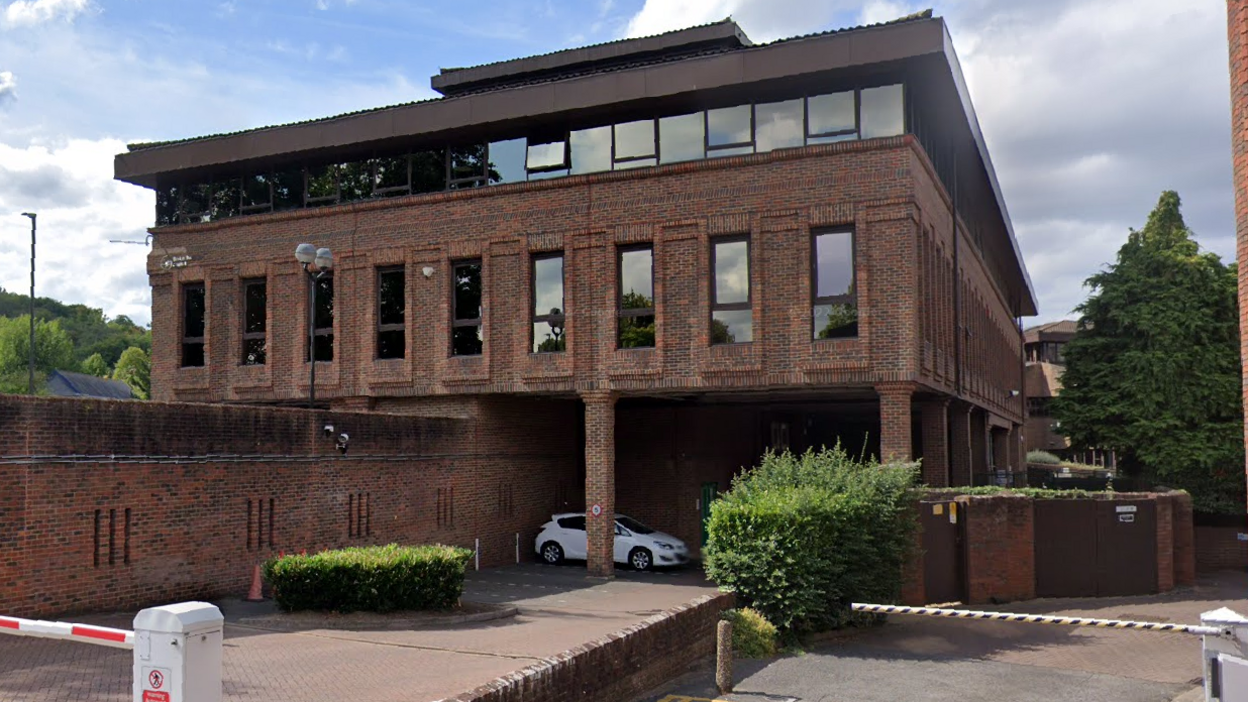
(640, 559)
(552, 553)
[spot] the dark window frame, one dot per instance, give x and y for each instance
(252, 335)
(850, 299)
(717, 306)
(856, 131)
(400, 327)
(566, 139)
(548, 318)
(905, 105)
(620, 311)
(654, 150)
(333, 319)
(473, 181)
(394, 190)
(707, 149)
(476, 322)
(266, 206)
(321, 200)
(201, 341)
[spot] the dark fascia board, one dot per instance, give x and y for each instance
(819, 53)
(1027, 306)
(454, 80)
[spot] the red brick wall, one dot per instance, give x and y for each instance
(1219, 548)
(1237, 36)
(1000, 548)
(198, 525)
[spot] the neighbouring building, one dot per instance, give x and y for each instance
(682, 250)
(1043, 347)
(69, 384)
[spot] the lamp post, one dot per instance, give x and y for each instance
(30, 353)
(316, 263)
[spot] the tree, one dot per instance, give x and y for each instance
(134, 368)
(53, 351)
(1154, 369)
(95, 365)
(636, 332)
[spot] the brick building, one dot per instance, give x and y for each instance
(1042, 345)
(684, 249)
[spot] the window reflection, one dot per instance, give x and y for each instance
(548, 311)
(835, 305)
(882, 112)
(682, 138)
(287, 189)
(549, 155)
(466, 335)
(829, 115)
(507, 160)
(194, 323)
(428, 171)
(196, 202)
(391, 305)
(731, 317)
(257, 192)
(591, 150)
(225, 199)
(390, 176)
(778, 125)
(467, 165)
(728, 126)
(323, 319)
(168, 198)
(634, 140)
(636, 327)
(322, 185)
(732, 326)
(255, 322)
(355, 181)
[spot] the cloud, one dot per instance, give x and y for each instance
(28, 12)
(8, 87)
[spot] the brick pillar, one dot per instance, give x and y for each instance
(960, 444)
(1237, 35)
(600, 481)
(935, 418)
(895, 440)
(1000, 448)
(979, 444)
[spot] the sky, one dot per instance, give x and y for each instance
(1090, 108)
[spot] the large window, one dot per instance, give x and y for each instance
(832, 117)
(881, 112)
(548, 313)
(729, 131)
(732, 321)
(591, 150)
(778, 125)
(323, 319)
(636, 310)
(466, 334)
(391, 306)
(835, 309)
(194, 320)
(682, 138)
(255, 322)
(634, 144)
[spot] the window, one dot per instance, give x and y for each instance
(548, 314)
(196, 203)
(466, 336)
(255, 322)
(882, 112)
(835, 308)
(467, 166)
(323, 319)
(634, 144)
(288, 189)
(225, 199)
(547, 159)
(831, 118)
(778, 125)
(636, 312)
(321, 186)
(391, 176)
(194, 309)
(574, 523)
(731, 318)
(682, 138)
(391, 305)
(591, 150)
(429, 171)
(355, 181)
(257, 193)
(507, 160)
(729, 131)
(168, 200)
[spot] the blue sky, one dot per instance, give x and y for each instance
(1090, 107)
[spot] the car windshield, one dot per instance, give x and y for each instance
(634, 526)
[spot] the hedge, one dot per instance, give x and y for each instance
(369, 578)
(752, 635)
(800, 537)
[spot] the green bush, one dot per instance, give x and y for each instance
(370, 578)
(752, 635)
(800, 537)
(1043, 457)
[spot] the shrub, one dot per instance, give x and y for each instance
(1043, 457)
(370, 578)
(800, 537)
(752, 635)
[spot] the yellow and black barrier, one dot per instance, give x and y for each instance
(1043, 619)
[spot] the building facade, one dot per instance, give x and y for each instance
(1042, 345)
(699, 247)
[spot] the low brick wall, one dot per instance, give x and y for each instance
(619, 666)
(1219, 548)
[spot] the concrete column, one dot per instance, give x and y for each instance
(600, 481)
(895, 440)
(960, 444)
(935, 419)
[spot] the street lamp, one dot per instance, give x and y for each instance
(555, 327)
(316, 263)
(30, 353)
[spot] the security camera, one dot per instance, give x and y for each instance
(341, 444)
(329, 431)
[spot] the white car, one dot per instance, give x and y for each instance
(635, 543)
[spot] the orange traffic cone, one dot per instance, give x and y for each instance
(255, 595)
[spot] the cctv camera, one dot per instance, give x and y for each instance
(329, 430)
(343, 438)
(341, 444)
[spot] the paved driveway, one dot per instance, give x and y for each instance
(559, 608)
(965, 660)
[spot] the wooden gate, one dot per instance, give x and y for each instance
(943, 567)
(1095, 548)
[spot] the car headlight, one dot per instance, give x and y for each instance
(666, 547)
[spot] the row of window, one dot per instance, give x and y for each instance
(727, 131)
(834, 308)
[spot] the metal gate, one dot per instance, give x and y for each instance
(943, 566)
(1095, 548)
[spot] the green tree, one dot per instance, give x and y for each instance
(636, 332)
(96, 365)
(134, 368)
(1154, 369)
(53, 351)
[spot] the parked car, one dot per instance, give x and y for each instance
(635, 543)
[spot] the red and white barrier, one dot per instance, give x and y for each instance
(177, 649)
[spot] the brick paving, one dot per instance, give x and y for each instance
(559, 608)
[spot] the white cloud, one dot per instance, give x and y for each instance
(27, 12)
(8, 87)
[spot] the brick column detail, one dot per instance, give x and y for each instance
(960, 444)
(1237, 36)
(979, 444)
(895, 441)
(600, 482)
(935, 424)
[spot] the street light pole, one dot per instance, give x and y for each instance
(30, 354)
(317, 264)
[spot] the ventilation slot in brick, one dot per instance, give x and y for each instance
(97, 538)
(260, 524)
(359, 515)
(446, 508)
